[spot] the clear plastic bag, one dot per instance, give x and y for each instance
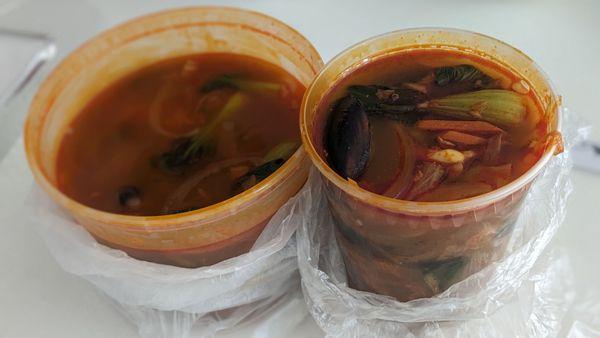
(168, 301)
(509, 297)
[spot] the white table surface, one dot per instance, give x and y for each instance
(38, 299)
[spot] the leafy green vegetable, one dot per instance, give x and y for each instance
(241, 84)
(257, 174)
(396, 103)
(188, 150)
(501, 107)
(375, 96)
(206, 133)
(271, 162)
(264, 170)
(173, 160)
(282, 150)
(366, 95)
(462, 73)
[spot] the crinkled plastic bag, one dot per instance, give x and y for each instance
(512, 296)
(168, 301)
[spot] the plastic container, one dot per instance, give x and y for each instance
(197, 238)
(407, 249)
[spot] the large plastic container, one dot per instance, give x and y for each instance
(196, 238)
(407, 249)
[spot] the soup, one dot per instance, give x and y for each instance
(432, 126)
(429, 129)
(181, 135)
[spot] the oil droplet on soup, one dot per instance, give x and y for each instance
(431, 125)
(180, 135)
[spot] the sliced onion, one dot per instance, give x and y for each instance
(432, 174)
(403, 179)
(178, 195)
(156, 108)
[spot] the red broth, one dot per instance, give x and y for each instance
(180, 135)
(423, 154)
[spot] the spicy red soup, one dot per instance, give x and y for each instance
(181, 135)
(432, 125)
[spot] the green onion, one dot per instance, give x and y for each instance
(205, 134)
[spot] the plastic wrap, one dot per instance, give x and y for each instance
(512, 296)
(168, 301)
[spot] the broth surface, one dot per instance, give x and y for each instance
(123, 152)
(408, 149)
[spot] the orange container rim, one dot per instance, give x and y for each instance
(414, 207)
(218, 210)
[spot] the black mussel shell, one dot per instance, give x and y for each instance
(348, 138)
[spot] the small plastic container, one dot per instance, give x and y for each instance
(197, 238)
(407, 249)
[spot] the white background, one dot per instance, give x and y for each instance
(37, 299)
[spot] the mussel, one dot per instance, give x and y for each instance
(348, 139)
